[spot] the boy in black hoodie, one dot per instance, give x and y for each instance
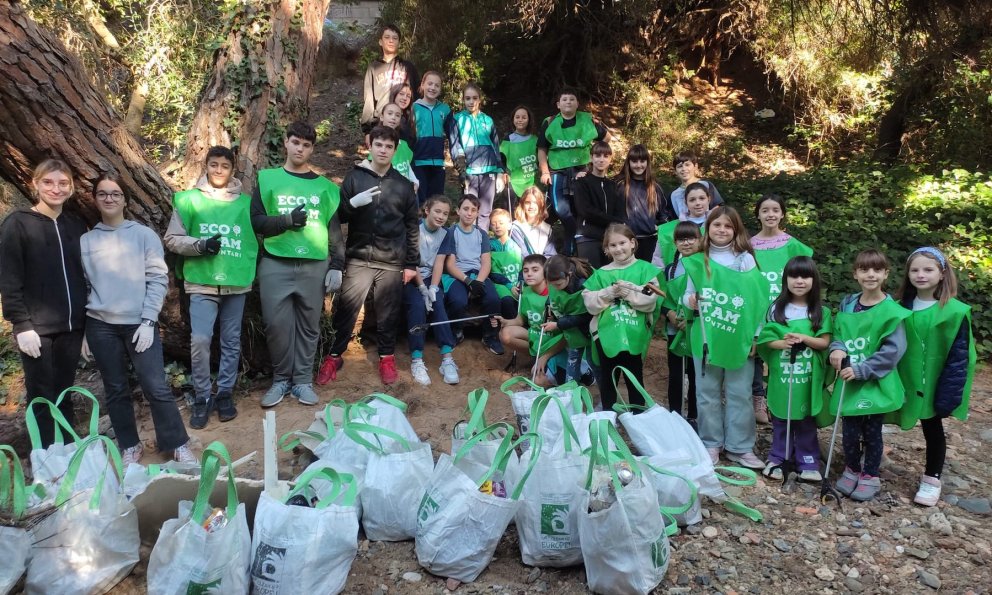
(598, 204)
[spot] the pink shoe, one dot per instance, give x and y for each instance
(929, 492)
(714, 455)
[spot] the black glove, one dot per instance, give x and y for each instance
(461, 168)
(210, 245)
(477, 288)
(298, 217)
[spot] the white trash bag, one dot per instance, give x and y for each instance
(15, 542)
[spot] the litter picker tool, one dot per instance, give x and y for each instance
(422, 328)
(512, 366)
(540, 341)
(702, 330)
(788, 464)
(828, 492)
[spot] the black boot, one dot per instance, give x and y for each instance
(225, 406)
(201, 413)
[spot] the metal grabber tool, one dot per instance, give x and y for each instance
(828, 492)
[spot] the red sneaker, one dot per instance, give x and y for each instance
(329, 369)
(387, 369)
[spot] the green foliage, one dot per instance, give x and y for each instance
(839, 212)
(176, 375)
(461, 69)
(323, 130)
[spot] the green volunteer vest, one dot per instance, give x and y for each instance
(532, 305)
(401, 158)
(772, 263)
(506, 261)
(674, 291)
(666, 241)
(569, 304)
(622, 328)
(521, 161)
(862, 334)
(204, 217)
(737, 303)
(281, 193)
(570, 147)
(806, 377)
(929, 336)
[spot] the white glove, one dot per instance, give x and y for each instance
(624, 288)
(425, 292)
(332, 281)
(500, 183)
(364, 197)
(30, 343)
(143, 337)
(433, 289)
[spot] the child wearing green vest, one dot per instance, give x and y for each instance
(211, 229)
(532, 330)
(391, 117)
(507, 263)
(732, 298)
(623, 314)
(869, 330)
(566, 277)
(475, 151)
(519, 153)
(698, 199)
(772, 249)
(939, 364)
(688, 240)
(797, 321)
(686, 166)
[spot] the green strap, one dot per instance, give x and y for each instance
(59, 421)
(500, 458)
(671, 525)
(536, 442)
(521, 380)
(596, 457)
(213, 456)
(693, 491)
(477, 400)
(537, 412)
(631, 382)
(69, 479)
(291, 440)
(329, 420)
(354, 430)
(581, 399)
(341, 483)
(13, 492)
(385, 399)
(732, 503)
(94, 428)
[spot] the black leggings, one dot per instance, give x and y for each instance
(933, 433)
(863, 437)
(675, 372)
(607, 372)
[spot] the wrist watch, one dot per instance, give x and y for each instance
(147, 322)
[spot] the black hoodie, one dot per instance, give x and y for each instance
(598, 203)
(386, 233)
(42, 285)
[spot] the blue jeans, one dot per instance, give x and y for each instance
(729, 426)
(431, 179)
(416, 314)
(458, 298)
(112, 349)
(560, 203)
(203, 313)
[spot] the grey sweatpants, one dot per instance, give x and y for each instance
(292, 295)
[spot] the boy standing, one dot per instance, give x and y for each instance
(384, 74)
(686, 166)
(598, 204)
(563, 146)
(211, 229)
(382, 251)
(295, 210)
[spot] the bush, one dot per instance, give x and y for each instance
(839, 212)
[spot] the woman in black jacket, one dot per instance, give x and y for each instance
(43, 290)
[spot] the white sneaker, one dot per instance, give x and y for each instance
(810, 476)
(419, 371)
(449, 369)
(714, 455)
(772, 470)
(131, 455)
(929, 492)
(745, 459)
(184, 454)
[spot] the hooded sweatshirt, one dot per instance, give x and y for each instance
(42, 286)
(380, 78)
(384, 234)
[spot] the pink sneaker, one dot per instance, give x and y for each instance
(929, 492)
(714, 455)
(746, 459)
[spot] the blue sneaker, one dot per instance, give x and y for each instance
(492, 344)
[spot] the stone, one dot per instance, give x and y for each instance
(928, 578)
(824, 574)
(917, 553)
(412, 577)
(986, 435)
(710, 532)
(853, 585)
(534, 574)
(781, 545)
(702, 579)
(807, 510)
(752, 537)
(694, 529)
(951, 499)
(682, 580)
(975, 505)
(853, 573)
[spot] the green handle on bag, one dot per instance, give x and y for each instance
(59, 422)
(582, 400)
(693, 491)
(367, 399)
(536, 443)
(210, 462)
(537, 412)
(354, 430)
(484, 434)
(338, 482)
(601, 432)
(69, 479)
(477, 400)
(329, 421)
(13, 492)
(749, 476)
(631, 381)
(519, 379)
(291, 440)
(94, 428)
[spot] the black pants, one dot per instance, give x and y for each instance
(591, 250)
(675, 371)
(47, 376)
(608, 373)
(933, 433)
(863, 438)
(387, 292)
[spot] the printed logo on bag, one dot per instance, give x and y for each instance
(554, 519)
(428, 506)
(659, 552)
(721, 310)
(211, 588)
(267, 568)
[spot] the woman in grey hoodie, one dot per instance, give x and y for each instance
(125, 268)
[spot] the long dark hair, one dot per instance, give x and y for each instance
(641, 153)
(800, 266)
(562, 267)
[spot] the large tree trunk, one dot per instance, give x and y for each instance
(262, 75)
(48, 108)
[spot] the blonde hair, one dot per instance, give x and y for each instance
(535, 193)
(46, 167)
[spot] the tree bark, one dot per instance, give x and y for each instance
(264, 79)
(48, 108)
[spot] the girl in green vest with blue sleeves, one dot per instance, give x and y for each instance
(475, 150)
(519, 151)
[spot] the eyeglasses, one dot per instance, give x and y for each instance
(114, 195)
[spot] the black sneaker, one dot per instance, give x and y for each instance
(459, 336)
(225, 406)
(492, 344)
(201, 413)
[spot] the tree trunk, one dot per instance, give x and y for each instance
(48, 108)
(261, 81)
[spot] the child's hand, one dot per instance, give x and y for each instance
(673, 319)
(847, 374)
(837, 358)
(692, 301)
(546, 178)
(795, 338)
(495, 321)
(680, 324)
(549, 327)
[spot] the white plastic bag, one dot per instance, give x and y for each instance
(90, 543)
(573, 398)
(677, 495)
(384, 411)
(395, 478)
(458, 525)
(15, 542)
(48, 465)
(189, 558)
(486, 448)
(547, 520)
(522, 401)
(301, 549)
(624, 545)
